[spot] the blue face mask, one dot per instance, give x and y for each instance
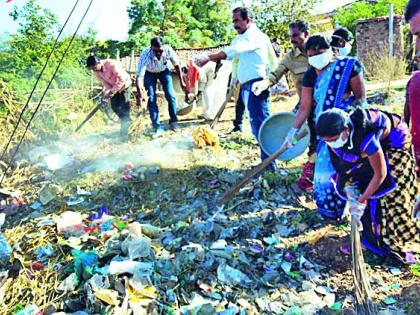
(344, 51)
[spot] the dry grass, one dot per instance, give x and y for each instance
(379, 66)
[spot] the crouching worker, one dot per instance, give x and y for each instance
(371, 153)
(116, 82)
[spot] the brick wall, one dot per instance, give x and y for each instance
(372, 38)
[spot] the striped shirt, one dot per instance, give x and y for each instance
(148, 61)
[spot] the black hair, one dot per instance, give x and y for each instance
(343, 33)
(331, 123)
(412, 8)
(244, 12)
(156, 41)
(317, 42)
(301, 25)
(92, 60)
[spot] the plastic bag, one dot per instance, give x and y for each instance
(84, 263)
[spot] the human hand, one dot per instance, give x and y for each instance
(201, 60)
(356, 210)
(260, 86)
(106, 96)
(290, 138)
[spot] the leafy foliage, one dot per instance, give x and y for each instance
(349, 16)
(24, 53)
(182, 23)
(274, 16)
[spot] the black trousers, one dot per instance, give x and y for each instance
(120, 104)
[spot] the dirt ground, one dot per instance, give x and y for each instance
(170, 177)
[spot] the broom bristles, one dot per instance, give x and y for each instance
(362, 287)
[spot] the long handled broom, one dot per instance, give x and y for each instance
(362, 288)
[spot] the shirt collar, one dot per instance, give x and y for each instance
(296, 52)
(152, 54)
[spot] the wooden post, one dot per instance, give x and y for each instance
(91, 80)
(118, 55)
(391, 30)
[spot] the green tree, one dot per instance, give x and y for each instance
(182, 23)
(273, 16)
(349, 16)
(24, 53)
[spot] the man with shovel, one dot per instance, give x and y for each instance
(117, 83)
(256, 58)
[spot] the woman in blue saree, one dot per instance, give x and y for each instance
(330, 82)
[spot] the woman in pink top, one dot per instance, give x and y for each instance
(117, 83)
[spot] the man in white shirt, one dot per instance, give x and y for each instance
(253, 52)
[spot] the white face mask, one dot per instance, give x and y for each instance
(320, 61)
(339, 143)
(344, 51)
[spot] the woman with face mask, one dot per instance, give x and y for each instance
(371, 153)
(330, 82)
(341, 42)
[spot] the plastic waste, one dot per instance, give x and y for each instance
(68, 284)
(231, 276)
(43, 253)
(150, 230)
(98, 282)
(70, 223)
(5, 249)
(131, 267)
(101, 211)
(48, 193)
(30, 310)
(135, 229)
(84, 263)
(136, 247)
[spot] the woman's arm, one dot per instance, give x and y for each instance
(306, 102)
(377, 161)
(358, 87)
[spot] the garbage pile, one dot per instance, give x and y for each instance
(98, 263)
(150, 240)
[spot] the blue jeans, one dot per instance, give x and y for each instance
(150, 82)
(258, 109)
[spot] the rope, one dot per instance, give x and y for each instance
(45, 91)
(37, 81)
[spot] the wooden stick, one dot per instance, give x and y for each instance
(362, 288)
(254, 171)
(222, 108)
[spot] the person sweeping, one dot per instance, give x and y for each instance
(117, 83)
(371, 152)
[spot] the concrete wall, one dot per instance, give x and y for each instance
(372, 38)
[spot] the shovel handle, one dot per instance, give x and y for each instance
(222, 108)
(227, 196)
